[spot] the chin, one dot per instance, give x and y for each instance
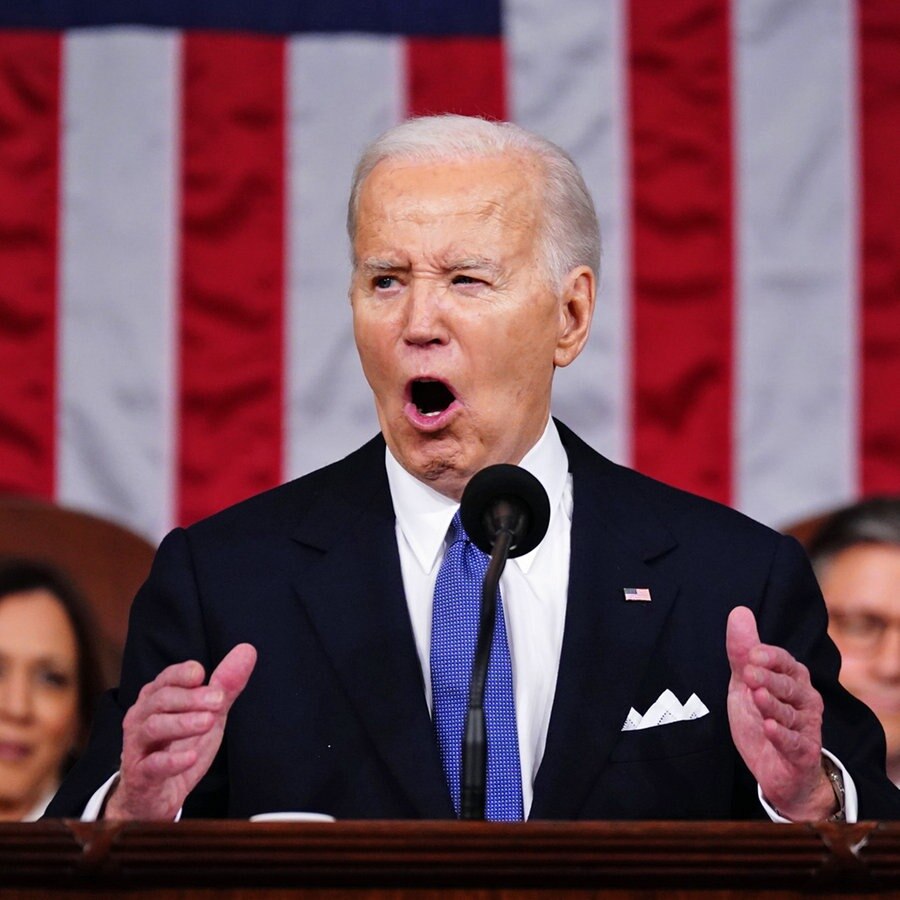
(891, 724)
(434, 470)
(440, 471)
(429, 456)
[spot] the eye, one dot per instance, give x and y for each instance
(860, 627)
(54, 678)
(384, 282)
(466, 279)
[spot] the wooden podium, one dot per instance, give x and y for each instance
(445, 859)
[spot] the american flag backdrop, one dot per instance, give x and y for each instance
(174, 327)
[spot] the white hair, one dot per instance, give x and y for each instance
(571, 236)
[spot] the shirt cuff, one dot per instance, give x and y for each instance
(851, 801)
(98, 799)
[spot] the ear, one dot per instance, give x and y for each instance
(575, 314)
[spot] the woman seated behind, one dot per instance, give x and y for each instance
(50, 678)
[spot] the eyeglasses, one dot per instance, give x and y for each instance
(863, 630)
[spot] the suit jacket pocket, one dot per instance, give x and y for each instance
(674, 739)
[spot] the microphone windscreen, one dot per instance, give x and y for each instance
(515, 486)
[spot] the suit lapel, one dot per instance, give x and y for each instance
(608, 641)
(352, 590)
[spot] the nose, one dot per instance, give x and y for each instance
(15, 695)
(425, 316)
(886, 659)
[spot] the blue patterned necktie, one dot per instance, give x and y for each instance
(457, 599)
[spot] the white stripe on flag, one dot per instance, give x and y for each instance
(576, 96)
(118, 213)
(796, 236)
(343, 91)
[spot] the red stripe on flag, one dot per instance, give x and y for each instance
(232, 270)
(456, 75)
(880, 263)
(680, 102)
(29, 194)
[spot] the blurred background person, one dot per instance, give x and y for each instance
(50, 677)
(856, 555)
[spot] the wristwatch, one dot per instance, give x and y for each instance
(837, 785)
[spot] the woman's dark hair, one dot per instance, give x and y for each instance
(18, 576)
(872, 521)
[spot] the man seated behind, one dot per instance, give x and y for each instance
(475, 258)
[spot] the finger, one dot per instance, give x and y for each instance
(165, 764)
(178, 699)
(741, 637)
(233, 673)
(777, 659)
(792, 703)
(795, 746)
(186, 674)
(770, 707)
(163, 728)
(793, 690)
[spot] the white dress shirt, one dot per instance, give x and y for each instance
(38, 809)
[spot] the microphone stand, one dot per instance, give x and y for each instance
(474, 751)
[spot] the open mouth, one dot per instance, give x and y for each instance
(431, 398)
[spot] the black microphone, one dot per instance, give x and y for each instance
(505, 512)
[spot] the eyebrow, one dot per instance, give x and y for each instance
(44, 659)
(377, 265)
(481, 263)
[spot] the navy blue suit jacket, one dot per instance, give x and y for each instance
(334, 718)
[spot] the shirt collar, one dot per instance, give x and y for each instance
(424, 515)
(41, 806)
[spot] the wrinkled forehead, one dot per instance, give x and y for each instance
(497, 192)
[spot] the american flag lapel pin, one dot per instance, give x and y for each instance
(639, 595)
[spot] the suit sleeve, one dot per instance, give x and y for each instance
(165, 627)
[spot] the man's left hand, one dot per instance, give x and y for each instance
(776, 722)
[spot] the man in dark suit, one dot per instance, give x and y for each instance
(642, 689)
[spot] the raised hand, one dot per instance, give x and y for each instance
(172, 734)
(776, 722)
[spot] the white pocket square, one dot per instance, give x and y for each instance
(664, 711)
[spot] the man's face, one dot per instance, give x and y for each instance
(862, 591)
(456, 324)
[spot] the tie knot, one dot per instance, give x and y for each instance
(457, 532)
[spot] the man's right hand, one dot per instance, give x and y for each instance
(172, 734)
